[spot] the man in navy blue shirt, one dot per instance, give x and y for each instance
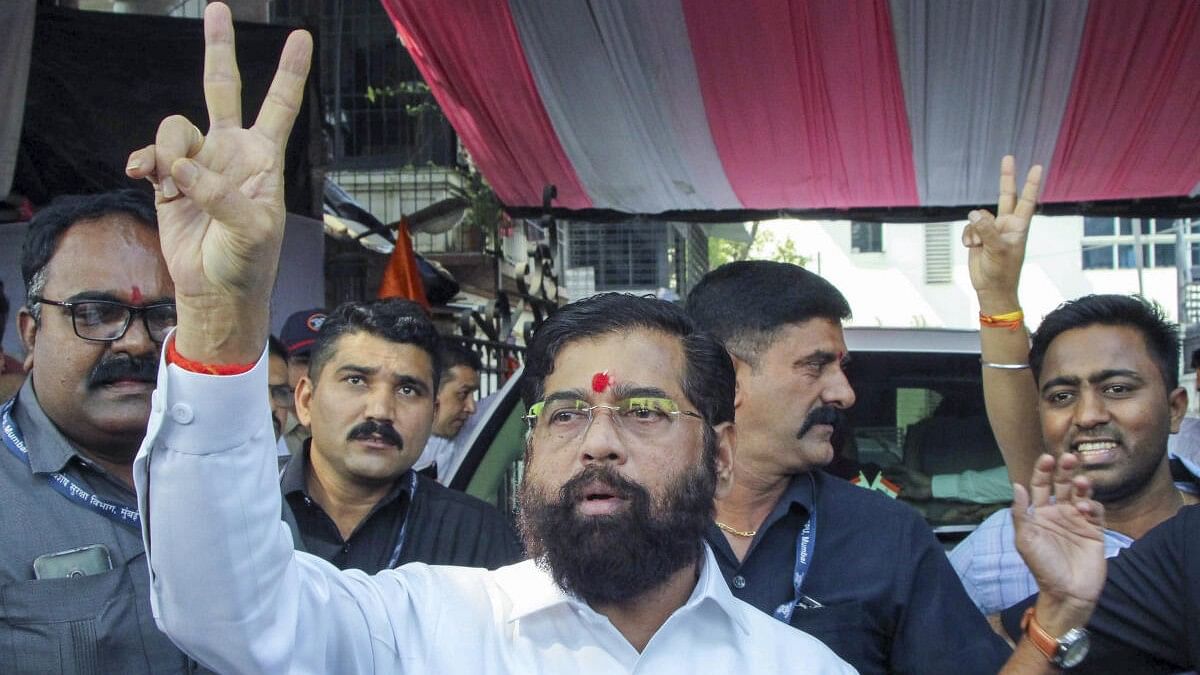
(855, 569)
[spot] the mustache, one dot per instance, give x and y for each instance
(123, 367)
(825, 414)
(375, 428)
(621, 487)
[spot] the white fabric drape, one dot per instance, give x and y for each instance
(623, 96)
(983, 79)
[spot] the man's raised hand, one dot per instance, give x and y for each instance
(220, 199)
(997, 243)
(1059, 533)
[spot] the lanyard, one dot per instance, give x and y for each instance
(806, 543)
(64, 484)
(412, 494)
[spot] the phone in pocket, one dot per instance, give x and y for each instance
(77, 562)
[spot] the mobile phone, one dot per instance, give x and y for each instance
(76, 562)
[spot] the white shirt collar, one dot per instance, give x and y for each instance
(532, 590)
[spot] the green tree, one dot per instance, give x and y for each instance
(768, 241)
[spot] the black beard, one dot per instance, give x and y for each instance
(613, 559)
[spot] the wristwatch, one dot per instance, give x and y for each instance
(1063, 652)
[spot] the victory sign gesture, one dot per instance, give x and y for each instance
(997, 243)
(220, 202)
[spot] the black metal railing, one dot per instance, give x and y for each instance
(500, 361)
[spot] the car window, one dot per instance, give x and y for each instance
(920, 415)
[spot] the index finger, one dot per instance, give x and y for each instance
(1008, 186)
(283, 100)
(222, 81)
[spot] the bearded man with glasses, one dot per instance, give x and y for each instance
(73, 576)
(600, 597)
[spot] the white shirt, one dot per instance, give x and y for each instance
(448, 453)
(227, 587)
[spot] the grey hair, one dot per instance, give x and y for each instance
(33, 293)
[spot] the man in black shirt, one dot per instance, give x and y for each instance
(860, 572)
(1147, 618)
(369, 399)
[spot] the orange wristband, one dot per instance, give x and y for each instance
(1011, 320)
(174, 357)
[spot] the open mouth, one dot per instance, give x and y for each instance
(600, 500)
(1095, 452)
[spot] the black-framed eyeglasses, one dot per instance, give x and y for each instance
(107, 321)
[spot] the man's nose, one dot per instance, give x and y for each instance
(136, 340)
(601, 440)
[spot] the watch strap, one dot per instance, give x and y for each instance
(1046, 643)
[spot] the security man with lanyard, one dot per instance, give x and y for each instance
(74, 588)
(854, 569)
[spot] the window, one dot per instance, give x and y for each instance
(624, 256)
(866, 237)
(1109, 243)
(1098, 258)
(1097, 227)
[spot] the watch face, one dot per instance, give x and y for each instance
(1072, 648)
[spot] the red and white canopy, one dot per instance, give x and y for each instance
(651, 106)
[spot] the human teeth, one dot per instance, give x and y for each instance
(1095, 446)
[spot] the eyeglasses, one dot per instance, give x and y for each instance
(644, 419)
(107, 321)
(283, 395)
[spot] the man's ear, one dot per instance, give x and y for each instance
(27, 326)
(1178, 401)
(726, 450)
(304, 394)
(742, 370)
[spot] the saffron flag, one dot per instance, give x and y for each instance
(402, 278)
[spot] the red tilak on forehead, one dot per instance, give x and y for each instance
(600, 382)
(135, 295)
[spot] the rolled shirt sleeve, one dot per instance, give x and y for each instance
(990, 486)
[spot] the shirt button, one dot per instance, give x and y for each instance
(739, 582)
(182, 413)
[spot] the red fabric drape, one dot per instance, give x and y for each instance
(1132, 125)
(804, 100)
(402, 278)
(471, 57)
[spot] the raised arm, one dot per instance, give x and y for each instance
(226, 585)
(996, 251)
